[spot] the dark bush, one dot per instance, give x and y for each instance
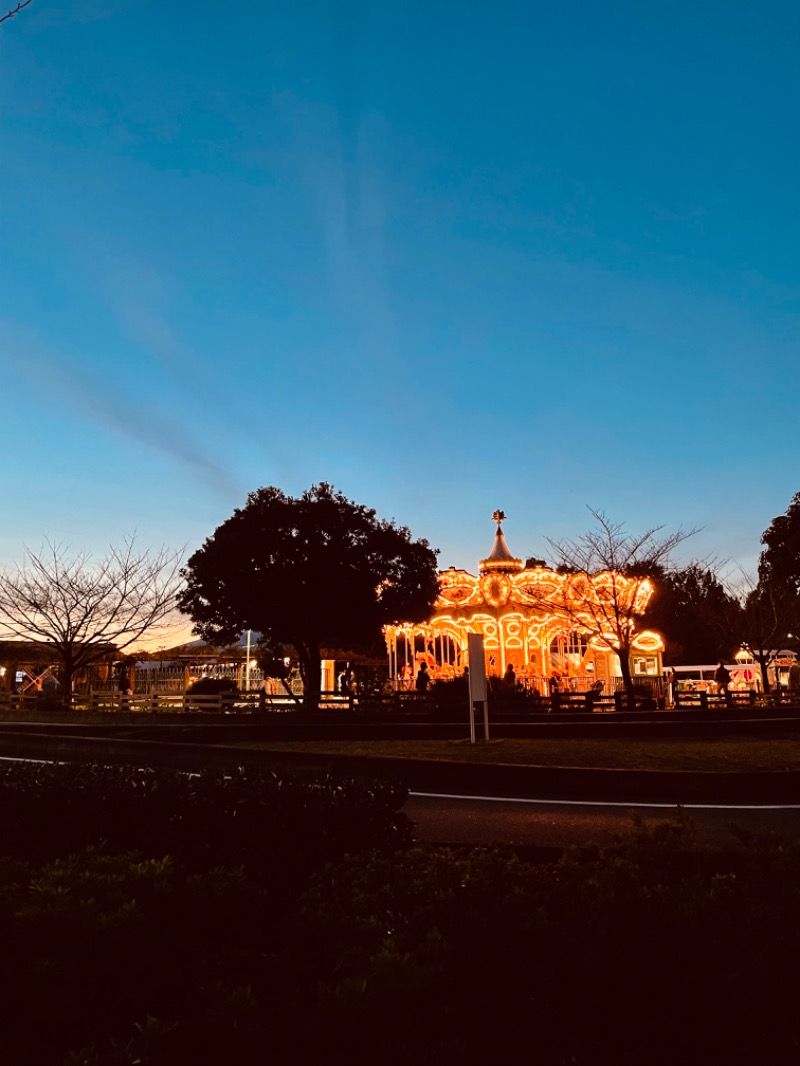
(128, 960)
(652, 951)
(213, 686)
(277, 826)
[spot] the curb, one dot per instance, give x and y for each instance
(426, 775)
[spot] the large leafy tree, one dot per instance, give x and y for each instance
(779, 563)
(769, 607)
(316, 571)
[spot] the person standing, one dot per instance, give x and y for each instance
(723, 679)
(672, 688)
(423, 678)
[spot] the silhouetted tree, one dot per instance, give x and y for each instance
(691, 608)
(82, 610)
(311, 572)
(779, 563)
(768, 607)
(760, 621)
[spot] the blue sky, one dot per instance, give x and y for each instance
(533, 256)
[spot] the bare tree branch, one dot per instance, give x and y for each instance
(14, 11)
(608, 582)
(82, 611)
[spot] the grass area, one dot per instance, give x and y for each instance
(722, 754)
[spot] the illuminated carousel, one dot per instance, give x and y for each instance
(540, 622)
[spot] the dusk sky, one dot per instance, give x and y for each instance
(450, 258)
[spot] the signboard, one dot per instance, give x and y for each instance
(477, 683)
(477, 668)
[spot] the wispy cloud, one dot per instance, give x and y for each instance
(73, 387)
(139, 297)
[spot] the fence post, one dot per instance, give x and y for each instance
(154, 703)
(703, 701)
(618, 701)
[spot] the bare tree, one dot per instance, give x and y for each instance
(82, 611)
(609, 583)
(14, 11)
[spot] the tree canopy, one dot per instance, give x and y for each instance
(314, 571)
(780, 560)
(692, 609)
(769, 606)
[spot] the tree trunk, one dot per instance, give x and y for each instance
(763, 662)
(310, 671)
(66, 676)
(627, 680)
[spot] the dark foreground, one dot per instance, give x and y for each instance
(531, 824)
(297, 921)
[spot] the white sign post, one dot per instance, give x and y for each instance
(477, 684)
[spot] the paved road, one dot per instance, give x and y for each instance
(557, 824)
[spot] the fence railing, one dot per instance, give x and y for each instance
(517, 704)
(720, 700)
(112, 701)
(167, 703)
(23, 702)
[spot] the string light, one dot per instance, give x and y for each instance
(521, 611)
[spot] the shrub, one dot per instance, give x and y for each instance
(281, 827)
(104, 946)
(213, 686)
(650, 951)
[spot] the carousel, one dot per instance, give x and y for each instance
(543, 624)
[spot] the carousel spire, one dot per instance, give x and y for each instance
(500, 558)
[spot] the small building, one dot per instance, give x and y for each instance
(539, 621)
(30, 666)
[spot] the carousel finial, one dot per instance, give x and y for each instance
(499, 516)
